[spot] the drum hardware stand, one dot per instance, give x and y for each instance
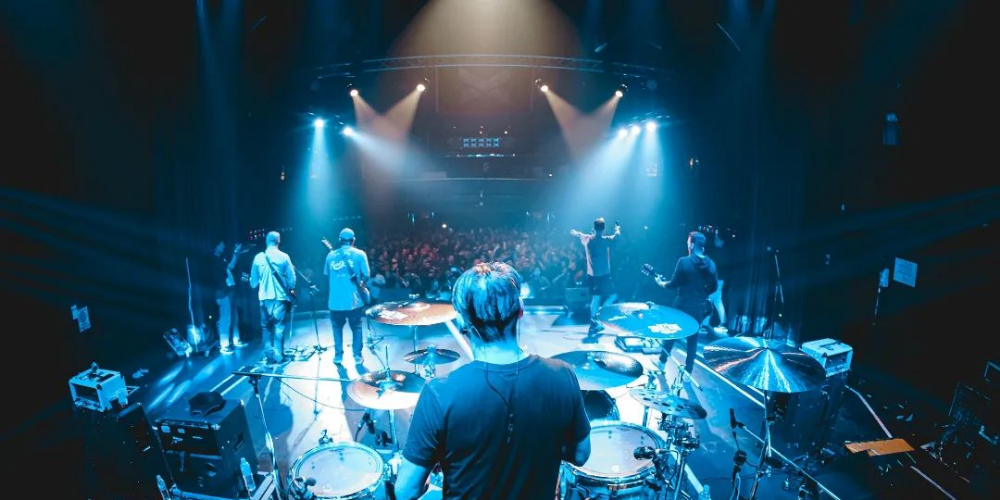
(653, 385)
(807, 477)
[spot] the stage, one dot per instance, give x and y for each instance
(299, 413)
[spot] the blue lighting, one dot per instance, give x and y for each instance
(348, 131)
(650, 126)
(635, 129)
(319, 123)
(622, 133)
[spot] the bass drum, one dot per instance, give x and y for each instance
(612, 471)
(345, 471)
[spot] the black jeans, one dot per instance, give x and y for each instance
(699, 312)
(352, 318)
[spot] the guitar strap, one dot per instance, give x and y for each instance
(280, 279)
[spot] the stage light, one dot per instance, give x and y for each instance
(622, 133)
(622, 90)
(421, 87)
(319, 123)
(544, 87)
(354, 92)
(650, 126)
(635, 129)
(348, 131)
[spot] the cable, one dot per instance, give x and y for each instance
(870, 410)
(296, 391)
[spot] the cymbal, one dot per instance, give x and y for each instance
(432, 356)
(768, 365)
(599, 370)
(668, 404)
(648, 320)
(412, 313)
(392, 390)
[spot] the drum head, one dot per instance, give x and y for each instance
(612, 446)
(340, 470)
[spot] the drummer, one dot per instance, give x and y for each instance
(695, 278)
(501, 425)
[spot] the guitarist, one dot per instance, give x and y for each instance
(273, 274)
(348, 269)
(695, 278)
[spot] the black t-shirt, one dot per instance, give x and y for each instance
(694, 278)
(461, 423)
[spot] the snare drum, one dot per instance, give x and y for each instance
(612, 471)
(345, 471)
(600, 406)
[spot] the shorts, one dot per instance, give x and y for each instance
(601, 285)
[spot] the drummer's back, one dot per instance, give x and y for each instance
(483, 457)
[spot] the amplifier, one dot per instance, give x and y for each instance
(99, 390)
(834, 355)
(204, 451)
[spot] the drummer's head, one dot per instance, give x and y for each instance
(488, 299)
(696, 242)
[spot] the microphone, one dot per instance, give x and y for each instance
(646, 452)
(733, 422)
(366, 419)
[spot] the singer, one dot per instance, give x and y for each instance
(597, 247)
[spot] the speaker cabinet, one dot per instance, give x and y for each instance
(123, 454)
(204, 451)
(807, 418)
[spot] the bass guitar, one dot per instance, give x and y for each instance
(356, 277)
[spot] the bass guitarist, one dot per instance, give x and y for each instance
(348, 270)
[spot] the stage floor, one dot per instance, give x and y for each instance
(299, 412)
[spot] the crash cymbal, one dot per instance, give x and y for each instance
(412, 313)
(599, 370)
(432, 356)
(768, 365)
(648, 320)
(668, 404)
(382, 390)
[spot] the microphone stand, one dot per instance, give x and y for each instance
(312, 304)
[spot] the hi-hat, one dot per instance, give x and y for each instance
(392, 390)
(412, 313)
(668, 404)
(432, 356)
(768, 365)
(648, 320)
(599, 370)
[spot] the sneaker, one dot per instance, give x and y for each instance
(721, 330)
(239, 344)
(225, 350)
(338, 358)
(359, 359)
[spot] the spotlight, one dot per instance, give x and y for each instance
(421, 87)
(351, 90)
(650, 125)
(635, 129)
(544, 87)
(622, 133)
(348, 131)
(319, 123)
(354, 92)
(622, 90)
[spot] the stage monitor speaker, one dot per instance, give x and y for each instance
(807, 418)
(123, 456)
(577, 298)
(203, 449)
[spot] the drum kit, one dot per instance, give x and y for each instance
(628, 461)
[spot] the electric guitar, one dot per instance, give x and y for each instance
(356, 278)
(648, 270)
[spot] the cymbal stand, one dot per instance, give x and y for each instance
(682, 374)
(652, 384)
(765, 452)
(785, 460)
(300, 354)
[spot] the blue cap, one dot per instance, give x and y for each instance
(347, 234)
